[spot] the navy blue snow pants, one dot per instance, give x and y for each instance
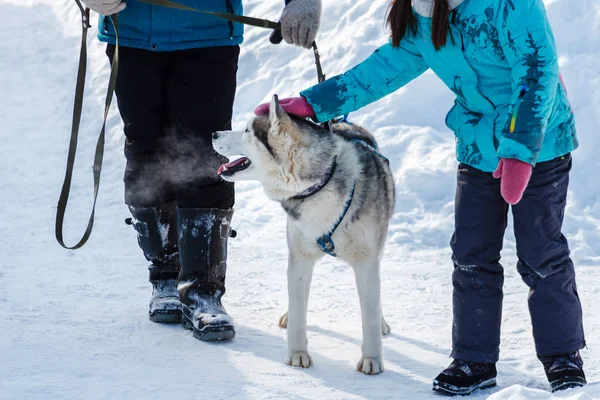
(543, 262)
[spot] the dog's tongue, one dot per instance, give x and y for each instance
(231, 164)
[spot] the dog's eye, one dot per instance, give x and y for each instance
(247, 130)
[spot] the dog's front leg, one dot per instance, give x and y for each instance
(300, 269)
(369, 288)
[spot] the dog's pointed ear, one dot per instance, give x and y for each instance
(277, 114)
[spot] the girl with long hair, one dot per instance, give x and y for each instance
(515, 132)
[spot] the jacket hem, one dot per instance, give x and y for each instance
(543, 157)
(173, 46)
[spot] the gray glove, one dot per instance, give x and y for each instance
(300, 22)
(105, 7)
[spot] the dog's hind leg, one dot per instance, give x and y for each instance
(368, 284)
(283, 320)
(385, 328)
(300, 270)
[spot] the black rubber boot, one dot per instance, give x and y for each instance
(157, 236)
(203, 235)
(564, 371)
(464, 377)
(165, 306)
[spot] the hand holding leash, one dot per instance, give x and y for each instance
(111, 8)
(276, 37)
(300, 22)
(105, 7)
(514, 175)
(297, 106)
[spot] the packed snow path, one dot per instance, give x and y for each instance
(73, 325)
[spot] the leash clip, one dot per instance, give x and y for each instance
(85, 19)
(326, 244)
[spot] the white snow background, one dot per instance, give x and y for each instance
(74, 325)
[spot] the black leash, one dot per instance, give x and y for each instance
(258, 22)
(261, 23)
(78, 104)
(77, 109)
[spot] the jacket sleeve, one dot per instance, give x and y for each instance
(384, 72)
(528, 45)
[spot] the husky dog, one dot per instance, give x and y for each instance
(338, 193)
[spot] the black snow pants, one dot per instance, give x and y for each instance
(171, 103)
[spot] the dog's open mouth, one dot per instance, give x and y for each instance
(237, 165)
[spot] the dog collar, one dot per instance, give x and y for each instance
(325, 241)
(317, 187)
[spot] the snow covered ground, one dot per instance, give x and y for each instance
(73, 325)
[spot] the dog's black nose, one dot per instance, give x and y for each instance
(215, 135)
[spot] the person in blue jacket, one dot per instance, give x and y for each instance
(176, 85)
(515, 132)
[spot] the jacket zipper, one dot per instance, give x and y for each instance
(462, 46)
(230, 10)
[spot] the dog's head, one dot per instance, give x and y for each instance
(282, 152)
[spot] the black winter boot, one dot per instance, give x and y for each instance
(165, 305)
(464, 377)
(564, 371)
(157, 236)
(203, 235)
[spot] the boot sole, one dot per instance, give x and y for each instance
(451, 390)
(210, 334)
(166, 316)
(568, 383)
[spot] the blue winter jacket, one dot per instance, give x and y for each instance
(159, 28)
(502, 65)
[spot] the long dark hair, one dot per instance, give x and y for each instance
(401, 21)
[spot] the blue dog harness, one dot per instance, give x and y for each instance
(325, 241)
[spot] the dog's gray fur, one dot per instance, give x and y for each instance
(289, 155)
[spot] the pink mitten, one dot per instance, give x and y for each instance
(297, 106)
(515, 175)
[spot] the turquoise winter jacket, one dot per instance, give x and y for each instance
(157, 28)
(501, 64)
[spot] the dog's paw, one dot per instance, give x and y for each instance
(299, 359)
(385, 328)
(283, 320)
(370, 366)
